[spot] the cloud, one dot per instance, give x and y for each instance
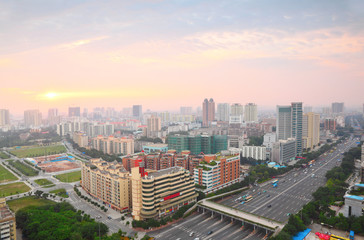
(82, 42)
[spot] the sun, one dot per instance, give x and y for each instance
(51, 95)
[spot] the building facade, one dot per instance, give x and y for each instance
(297, 125)
(160, 193)
(81, 139)
(7, 222)
(284, 122)
(223, 112)
(219, 172)
(208, 112)
(74, 112)
(112, 145)
(255, 152)
(108, 182)
(251, 113)
(284, 150)
(330, 124)
(311, 130)
(32, 118)
(4, 117)
(236, 113)
(337, 107)
(137, 112)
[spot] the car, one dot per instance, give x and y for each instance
(98, 217)
(191, 234)
(108, 217)
(197, 239)
(269, 206)
(264, 191)
(268, 196)
(288, 214)
(210, 232)
(258, 193)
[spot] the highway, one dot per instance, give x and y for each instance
(293, 191)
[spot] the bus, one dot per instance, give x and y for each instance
(248, 198)
(335, 237)
(275, 181)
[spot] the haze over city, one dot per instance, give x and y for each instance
(165, 54)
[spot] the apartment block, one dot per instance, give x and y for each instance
(330, 124)
(255, 152)
(132, 161)
(112, 145)
(80, 138)
(160, 193)
(4, 117)
(284, 150)
(7, 222)
(217, 172)
(108, 182)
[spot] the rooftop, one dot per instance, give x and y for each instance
(165, 172)
(5, 213)
(354, 197)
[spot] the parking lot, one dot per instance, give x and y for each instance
(292, 192)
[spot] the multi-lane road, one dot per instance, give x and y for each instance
(293, 191)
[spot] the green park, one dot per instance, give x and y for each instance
(13, 188)
(69, 177)
(6, 176)
(36, 151)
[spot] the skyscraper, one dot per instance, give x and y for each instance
(208, 112)
(297, 125)
(153, 126)
(311, 130)
(32, 118)
(74, 112)
(223, 112)
(236, 113)
(337, 107)
(284, 122)
(53, 117)
(4, 117)
(137, 111)
(251, 113)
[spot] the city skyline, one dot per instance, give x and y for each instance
(60, 55)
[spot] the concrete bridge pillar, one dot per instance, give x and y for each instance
(222, 217)
(212, 214)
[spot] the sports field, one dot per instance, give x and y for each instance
(6, 176)
(13, 188)
(69, 177)
(38, 151)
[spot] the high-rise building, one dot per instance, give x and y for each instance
(219, 171)
(85, 113)
(7, 221)
(251, 113)
(330, 124)
(337, 107)
(363, 108)
(255, 152)
(284, 122)
(223, 112)
(153, 126)
(137, 112)
(53, 117)
(80, 138)
(208, 112)
(284, 150)
(32, 118)
(197, 144)
(108, 182)
(112, 145)
(236, 113)
(297, 125)
(326, 110)
(150, 199)
(311, 130)
(178, 142)
(4, 117)
(74, 112)
(186, 110)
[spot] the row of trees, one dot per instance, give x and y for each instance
(332, 194)
(58, 222)
(103, 208)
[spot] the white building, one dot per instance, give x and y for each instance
(236, 113)
(284, 150)
(223, 112)
(255, 152)
(269, 139)
(251, 113)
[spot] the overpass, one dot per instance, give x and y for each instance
(246, 219)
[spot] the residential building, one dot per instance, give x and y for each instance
(297, 126)
(269, 139)
(208, 112)
(255, 152)
(7, 222)
(223, 112)
(330, 124)
(4, 117)
(137, 112)
(181, 160)
(132, 161)
(217, 172)
(81, 139)
(311, 130)
(53, 117)
(32, 118)
(153, 126)
(109, 182)
(236, 113)
(284, 122)
(284, 151)
(152, 161)
(251, 113)
(160, 193)
(198, 144)
(166, 160)
(74, 112)
(337, 107)
(178, 142)
(112, 145)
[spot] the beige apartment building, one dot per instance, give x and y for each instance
(112, 145)
(7, 222)
(108, 182)
(160, 193)
(80, 138)
(311, 130)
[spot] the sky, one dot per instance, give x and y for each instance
(167, 54)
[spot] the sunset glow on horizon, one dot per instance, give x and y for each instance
(167, 54)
